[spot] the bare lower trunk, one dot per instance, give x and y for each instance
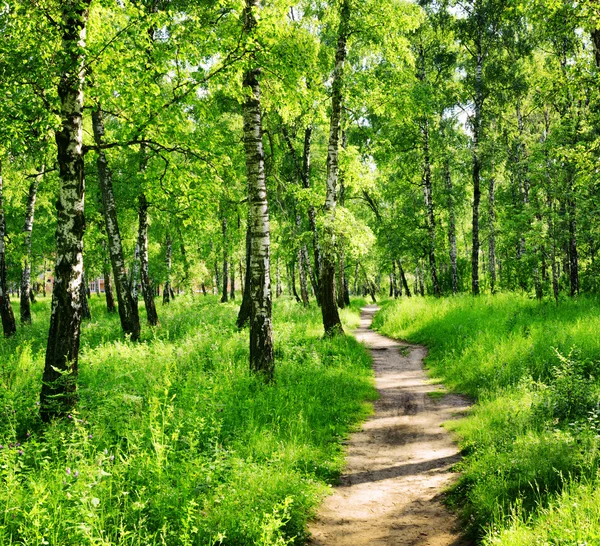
(225, 294)
(428, 198)
(110, 299)
(492, 237)
(167, 291)
(151, 314)
(261, 325)
(135, 275)
(315, 271)
(404, 281)
(244, 313)
(451, 226)
(232, 281)
(573, 253)
(59, 383)
(331, 318)
(476, 168)
(9, 324)
(27, 230)
(128, 310)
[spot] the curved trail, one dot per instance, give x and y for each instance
(399, 462)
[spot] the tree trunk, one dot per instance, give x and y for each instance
(9, 324)
(128, 310)
(167, 293)
(304, 266)
(476, 168)
(428, 198)
(492, 239)
(451, 226)
(110, 299)
(404, 281)
(292, 270)
(261, 325)
(151, 314)
(244, 313)
(135, 275)
(573, 253)
(27, 230)
(315, 271)
(225, 294)
(232, 281)
(59, 383)
(331, 318)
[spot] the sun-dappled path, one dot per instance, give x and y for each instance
(399, 463)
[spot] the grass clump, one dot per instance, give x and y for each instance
(174, 441)
(531, 442)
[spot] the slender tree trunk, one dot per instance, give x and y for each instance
(168, 263)
(244, 313)
(404, 281)
(232, 281)
(27, 230)
(261, 325)
(135, 275)
(128, 310)
(476, 167)
(225, 295)
(151, 314)
(110, 299)
(573, 253)
(292, 270)
(315, 271)
(451, 226)
(492, 239)
(428, 198)
(331, 319)
(9, 324)
(59, 383)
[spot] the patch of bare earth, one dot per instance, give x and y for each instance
(399, 463)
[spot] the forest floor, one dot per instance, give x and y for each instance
(400, 462)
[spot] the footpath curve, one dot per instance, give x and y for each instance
(399, 463)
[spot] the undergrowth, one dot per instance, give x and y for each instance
(532, 440)
(174, 442)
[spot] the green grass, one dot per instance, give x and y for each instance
(531, 442)
(174, 442)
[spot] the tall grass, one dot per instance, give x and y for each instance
(174, 442)
(531, 442)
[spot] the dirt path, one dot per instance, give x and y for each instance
(399, 463)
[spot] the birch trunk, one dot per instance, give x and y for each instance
(225, 294)
(428, 198)
(492, 228)
(151, 314)
(476, 167)
(404, 281)
(314, 272)
(27, 230)
(9, 324)
(244, 313)
(168, 263)
(59, 382)
(451, 226)
(331, 319)
(261, 326)
(128, 309)
(108, 292)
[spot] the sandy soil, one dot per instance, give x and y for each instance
(399, 463)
